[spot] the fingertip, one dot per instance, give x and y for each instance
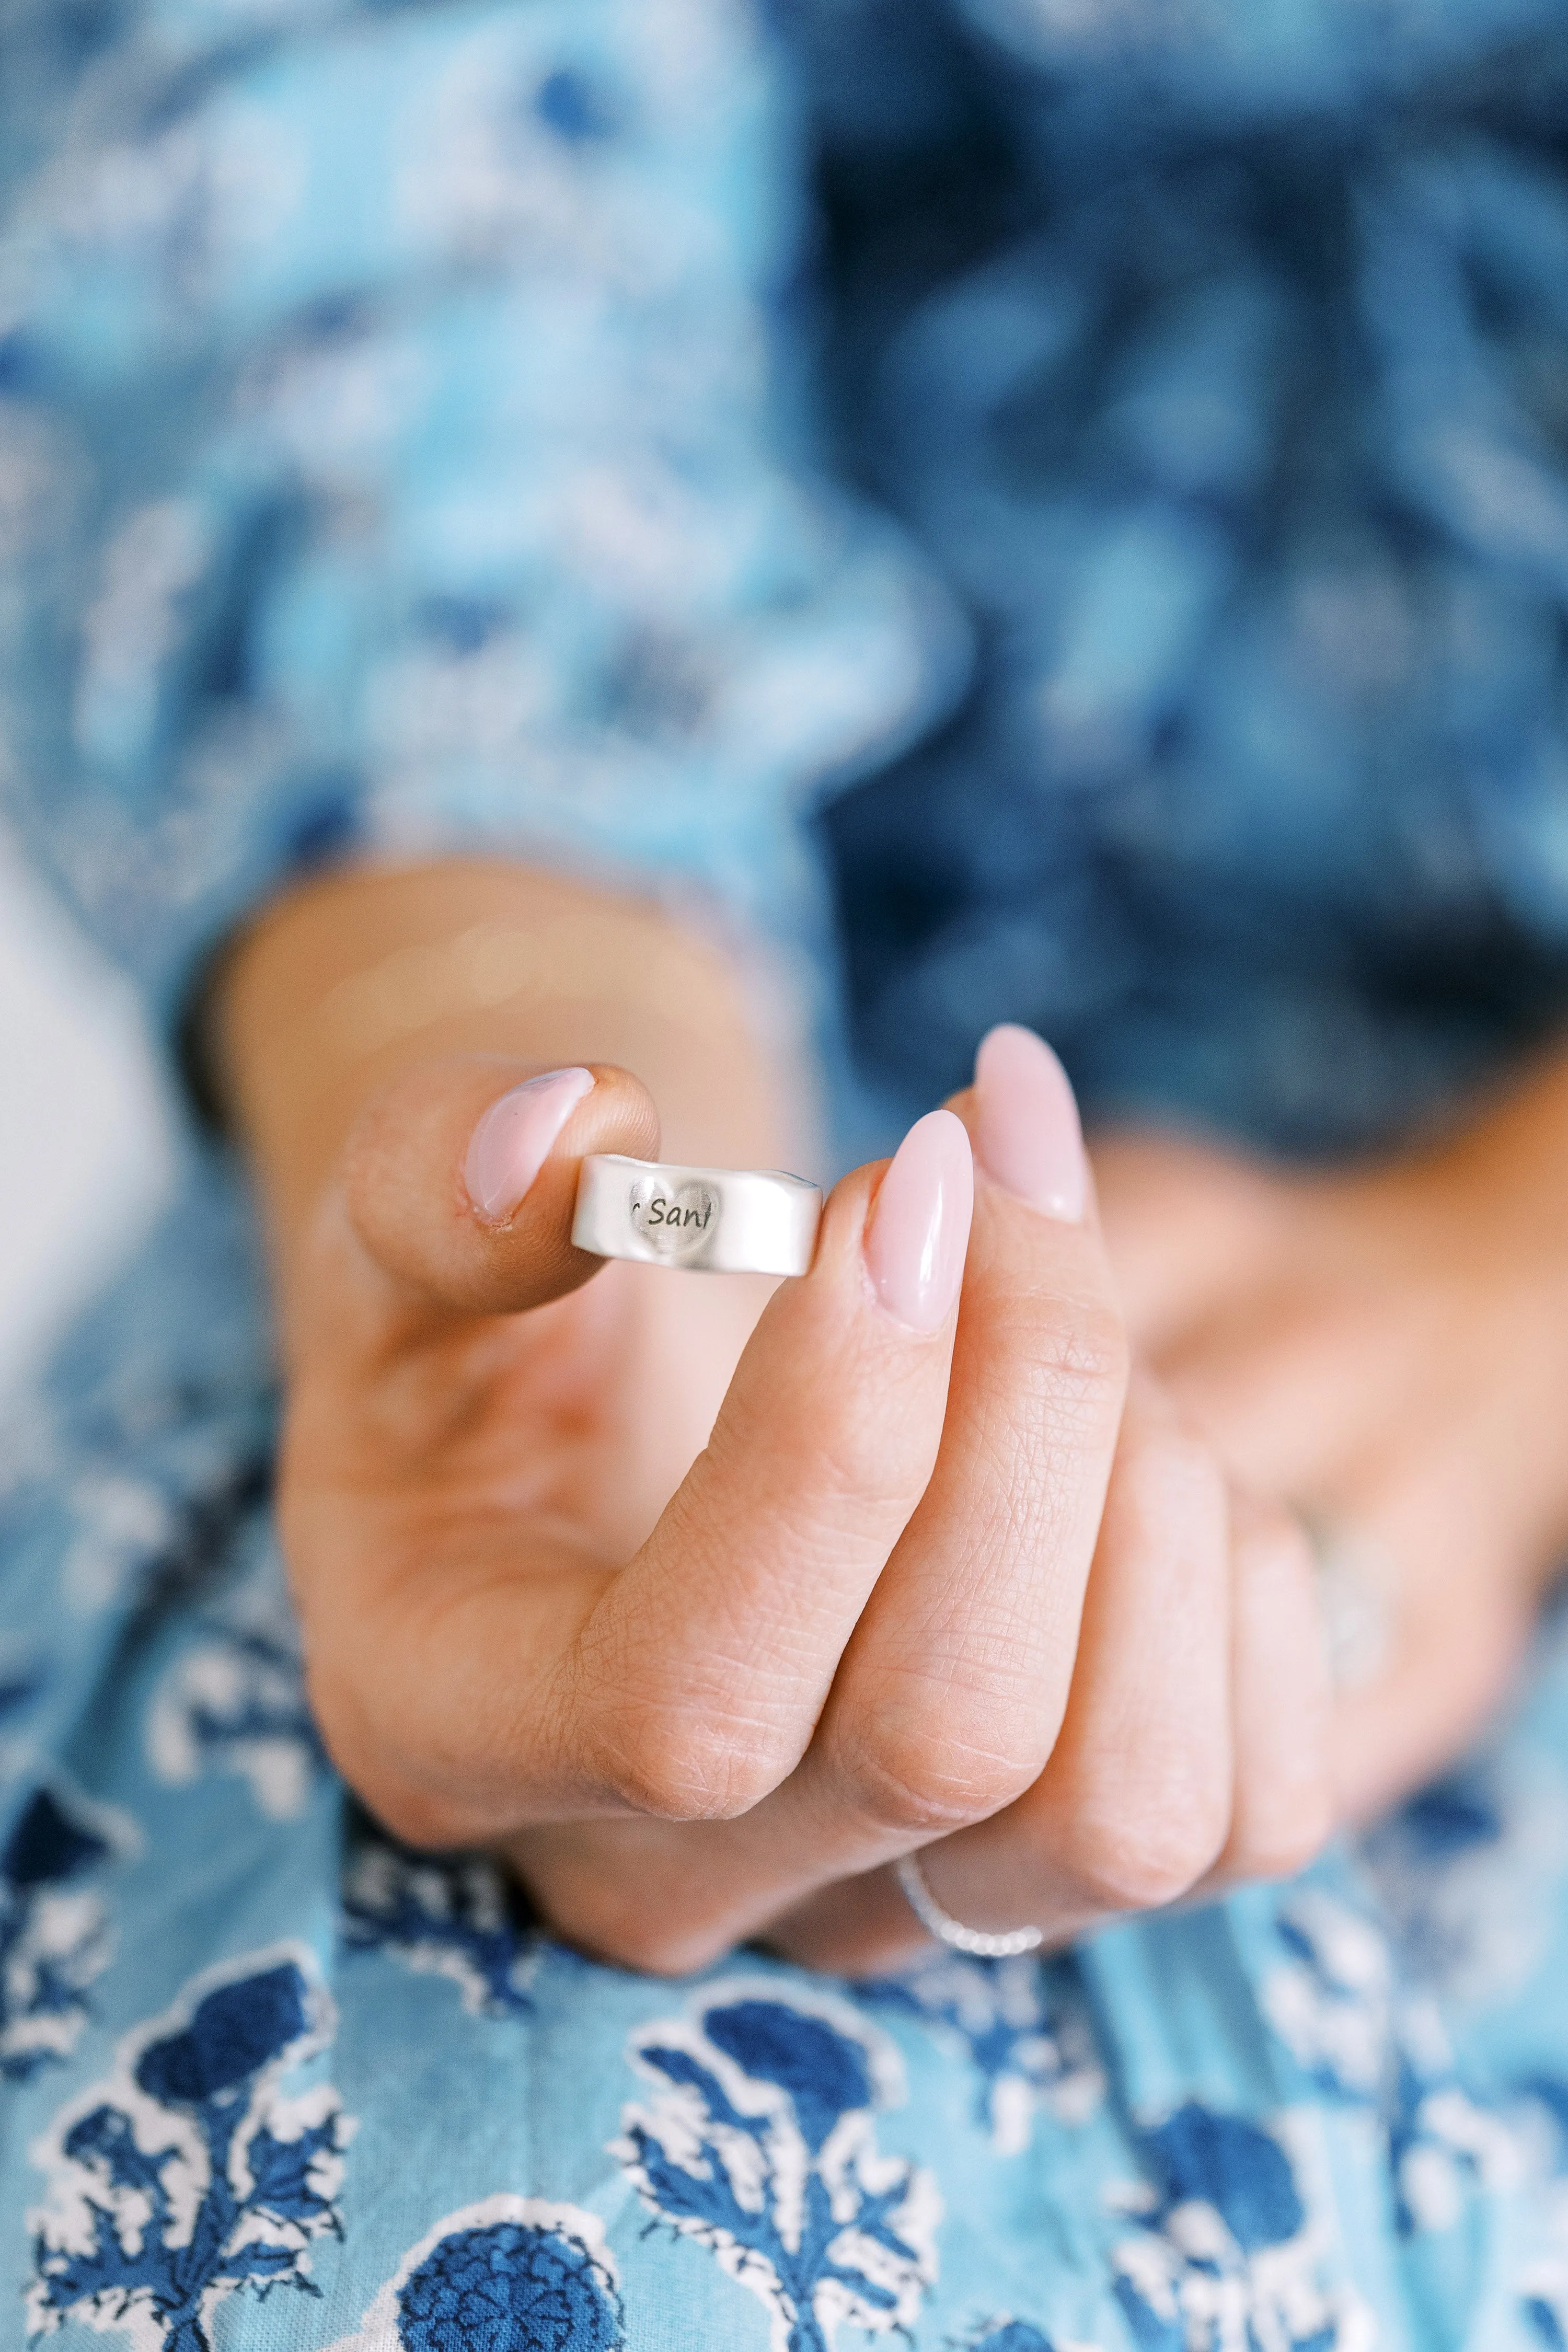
(1028, 1134)
(460, 1177)
(514, 1137)
(918, 1236)
(545, 1124)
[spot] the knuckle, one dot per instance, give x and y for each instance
(1133, 1865)
(1269, 1545)
(415, 1817)
(1282, 1843)
(914, 1780)
(1180, 1483)
(648, 1953)
(1129, 1874)
(683, 1768)
(418, 1813)
(641, 1941)
(1084, 1354)
(1284, 1853)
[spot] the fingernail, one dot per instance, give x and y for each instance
(919, 1225)
(1027, 1133)
(512, 1142)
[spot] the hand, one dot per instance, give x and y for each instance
(1386, 1349)
(889, 1598)
(867, 1617)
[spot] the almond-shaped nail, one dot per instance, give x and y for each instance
(1027, 1133)
(919, 1223)
(513, 1139)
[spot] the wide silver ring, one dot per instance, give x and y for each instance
(717, 1219)
(953, 1932)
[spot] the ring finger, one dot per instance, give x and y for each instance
(1136, 1802)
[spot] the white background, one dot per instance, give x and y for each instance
(84, 1125)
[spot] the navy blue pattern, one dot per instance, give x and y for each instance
(1222, 392)
(190, 2177)
(409, 441)
(505, 2284)
(1374, 2035)
(454, 1916)
(759, 2146)
(234, 1701)
(1223, 2245)
(491, 2287)
(511, 2274)
(1025, 2025)
(55, 1933)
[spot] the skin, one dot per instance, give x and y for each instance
(1388, 1347)
(701, 1604)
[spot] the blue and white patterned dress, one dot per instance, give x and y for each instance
(405, 442)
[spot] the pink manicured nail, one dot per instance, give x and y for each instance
(1027, 1133)
(512, 1142)
(919, 1225)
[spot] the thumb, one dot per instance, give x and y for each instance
(460, 1179)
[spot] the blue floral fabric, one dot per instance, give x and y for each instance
(1216, 353)
(269, 2080)
(408, 441)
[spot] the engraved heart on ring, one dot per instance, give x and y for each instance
(679, 1222)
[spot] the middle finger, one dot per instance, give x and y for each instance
(1135, 1802)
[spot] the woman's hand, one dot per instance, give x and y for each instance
(886, 1600)
(1387, 1351)
(861, 1619)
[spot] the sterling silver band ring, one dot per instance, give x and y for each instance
(717, 1219)
(952, 1932)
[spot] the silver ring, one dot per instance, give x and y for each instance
(1356, 1580)
(953, 1932)
(720, 1220)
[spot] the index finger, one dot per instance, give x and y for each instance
(955, 1685)
(702, 1676)
(687, 1684)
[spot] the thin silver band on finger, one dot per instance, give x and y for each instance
(718, 1219)
(953, 1932)
(1356, 1581)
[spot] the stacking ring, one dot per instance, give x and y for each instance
(718, 1219)
(1355, 1586)
(952, 1932)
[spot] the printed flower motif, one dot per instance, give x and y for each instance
(1333, 2002)
(1461, 1870)
(121, 1521)
(456, 1918)
(1330, 1997)
(55, 1937)
(1445, 2144)
(188, 2176)
(511, 2274)
(1545, 2307)
(165, 1528)
(235, 1702)
(760, 2144)
(1225, 2256)
(1543, 2289)
(1026, 2029)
